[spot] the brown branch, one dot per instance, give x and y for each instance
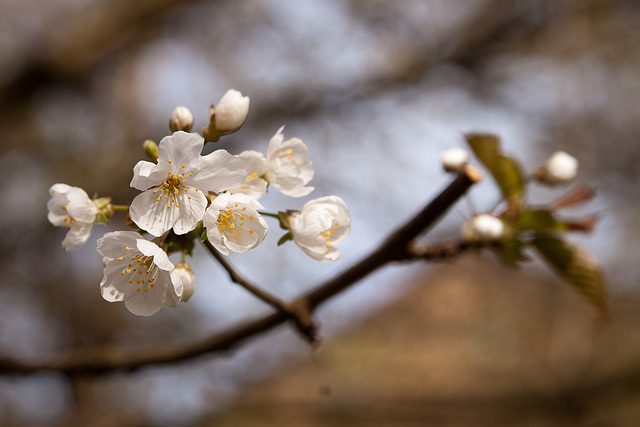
(395, 248)
(442, 251)
(240, 280)
(300, 314)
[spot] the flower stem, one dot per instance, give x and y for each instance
(120, 207)
(272, 215)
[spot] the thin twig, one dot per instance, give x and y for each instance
(237, 278)
(298, 313)
(395, 248)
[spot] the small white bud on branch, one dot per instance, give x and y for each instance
(483, 228)
(454, 159)
(559, 168)
(181, 119)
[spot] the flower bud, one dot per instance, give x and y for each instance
(188, 280)
(231, 111)
(483, 228)
(559, 168)
(454, 159)
(181, 119)
(151, 149)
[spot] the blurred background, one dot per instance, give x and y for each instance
(377, 90)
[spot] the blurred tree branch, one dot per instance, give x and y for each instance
(395, 248)
(75, 48)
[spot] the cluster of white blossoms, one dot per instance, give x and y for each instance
(186, 194)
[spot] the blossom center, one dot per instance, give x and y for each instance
(227, 221)
(171, 188)
(328, 234)
(141, 271)
(68, 219)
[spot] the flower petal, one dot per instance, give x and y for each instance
(114, 244)
(191, 210)
(160, 257)
(114, 287)
(77, 236)
(218, 171)
(148, 302)
(150, 214)
(80, 206)
(147, 175)
(180, 147)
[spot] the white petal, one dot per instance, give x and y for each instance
(181, 148)
(146, 303)
(254, 163)
(147, 175)
(114, 286)
(151, 215)
(274, 142)
(80, 206)
(77, 236)
(218, 171)
(175, 289)
(214, 236)
(59, 189)
(191, 210)
(114, 244)
(160, 257)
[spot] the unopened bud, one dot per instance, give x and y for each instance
(231, 111)
(559, 168)
(151, 149)
(188, 280)
(227, 116)
(181, 119)
(454, 159)
(483, 228)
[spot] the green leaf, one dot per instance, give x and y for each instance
(536, 220)
(512, 253)
(203, 237)
(505, 170)
(285, 238)
(575, 266)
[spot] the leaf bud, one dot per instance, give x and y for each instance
(151, 149)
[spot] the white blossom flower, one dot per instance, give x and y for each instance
(321, 224)
(181, 119)
(288, 168)
(256, 166)
(483, 228)
(559, 168)
(140, 273)
(177, 185)
(71, 207)
(454, 159)
(231, 111)
(232, 220)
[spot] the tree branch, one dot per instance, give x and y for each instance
(299, 314)
(395, 248)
